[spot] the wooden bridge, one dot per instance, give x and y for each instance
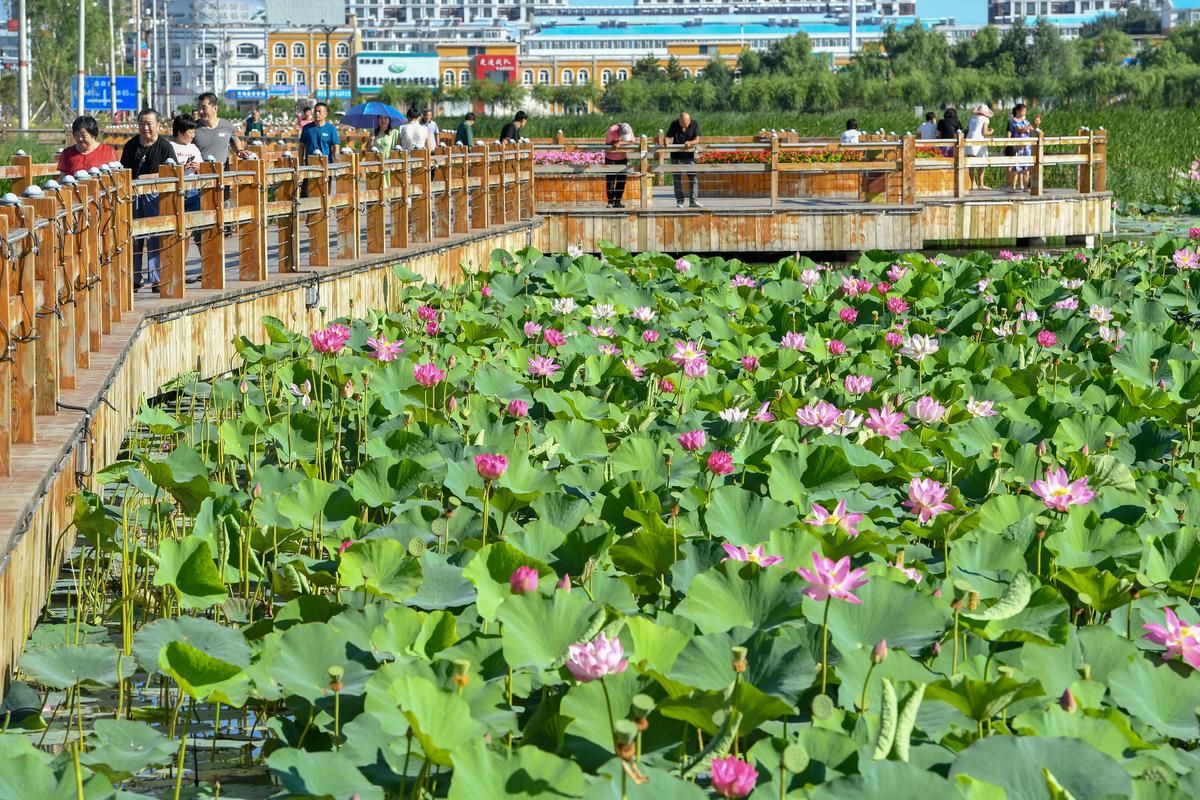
(80, 350)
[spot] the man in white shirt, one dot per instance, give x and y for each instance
(851, 134)
(413, 135)
(928, 128)
(431, 129)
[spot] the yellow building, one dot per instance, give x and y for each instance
(297, 59)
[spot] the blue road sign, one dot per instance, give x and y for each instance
(96, 93)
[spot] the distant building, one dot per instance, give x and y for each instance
(1176, 13)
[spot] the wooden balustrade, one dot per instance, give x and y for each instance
(67, 251)
(775, 166)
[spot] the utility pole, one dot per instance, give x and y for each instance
(142, 100)
(82, 84)
(112, 64)
(22, 66)
(329, 29)
(154, 53)
(167, 58)
(853, 27)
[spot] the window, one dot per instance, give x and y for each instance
(343, 77)
(464, 77)
(687, 73)
(280, 50)
(298, 50)
(247, 50)
(177, 78)
(322, 78)
(342, 50)
(280, 78)
(206, 51)
(605, 77)
(448, 77)
(568, 77)
(176, 52)
(622, 75)
(543, 76)
(322, 50)
(300, 78)
(527, 78)
(247, 78)
(584, 76)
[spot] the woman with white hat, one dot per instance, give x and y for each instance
(978, 129)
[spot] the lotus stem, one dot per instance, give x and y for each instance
(182, 753)
(487, 494)
(825, 646)
(612, 725)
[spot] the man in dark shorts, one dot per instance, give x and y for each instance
(686, 132)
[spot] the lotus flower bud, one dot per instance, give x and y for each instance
(880, 652)
(452, 405)
(1067, 701)
(348, 389)
(564, 583)
(739, 660)
(1041, 448)
(972, 601)
(243, 387)
(937, 649)
(451, 361)
(256, 492)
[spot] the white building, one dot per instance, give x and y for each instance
(1176, 13)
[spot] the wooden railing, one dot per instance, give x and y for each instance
(780, 166)
(66, 251)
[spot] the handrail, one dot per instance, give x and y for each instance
(67, 252)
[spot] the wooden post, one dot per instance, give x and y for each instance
(50, 324)
(961, 177)
(645, 189)
(67, 268)
(424, 206)
(125, 238)
(485, 187)
(372, 165)
(23, 181)
(23, 305)
(318, 224)
(289, 225)
(212, 240)
(1100, 160)
(252, 235)
(174, 242)
(77, 257)
(110, 248)
(501, 196)
(444, 198)
(402, 210)
(1039, 154)
(530, 210)
(773, 170)
(517, 184)
(8, 267)
(908, 169)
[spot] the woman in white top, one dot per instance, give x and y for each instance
(187, 155)
(978, 129)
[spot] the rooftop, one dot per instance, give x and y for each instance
(704, 28)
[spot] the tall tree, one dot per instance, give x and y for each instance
(53, 45)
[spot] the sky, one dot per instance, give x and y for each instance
(967, 11)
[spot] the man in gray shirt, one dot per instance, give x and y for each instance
(215, 136)
(431, 129)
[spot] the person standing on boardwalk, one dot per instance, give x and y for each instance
(431, 129)
(254, 125)
(1020, 128)
(929, 128)
(614, 182)
(413, 136)
(87, 152)
(215, 137)
(684, 132)
(979, 129)
(319, 138)
(852, 134)
(511, 132)
(385, 139)
(143, 155)
(465, 134)
(949, 128)
(188, 156)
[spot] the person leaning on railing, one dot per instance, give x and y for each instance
(684, 131)
(87, 152)
(614, 182)
(143, 155)
(465, 134)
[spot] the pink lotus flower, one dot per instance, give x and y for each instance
(531, 329)
(1194, 233)
(1059, 493)
(597, 658)
(764, 414)
(331, 340)
(345, 545)
(687, 352)
(1179, 639)
(1046, 338)
(692, 440)
(742, 280)
(649, 336)
(883, 287)
(485, 290)
(926, 499)
(821, 414)
(542, 366)
(851, 287)
(431, 329)
(602, 331)
(720, 463)
(836, 347)
(1100, 314)
(517, 408)
(696, 368)
(927, 410)
(918, 347)
(383, 350)
(864, 286)
(839, 517)
(666, 386)
(523, 580)
(634, 369)
(908, 572)
(732, 777)
(1067, 304)
(302, 392)
(427, 314)
(896, 272)
(897, 305)
(858, 384)
(980, 408)
(848, 422)
(848, 315)
(682, 265)
(792, 341)
(490, 466)
(608, 349)
(809, 278)
(564, 583)
(754, 556)
(832, 579)
(1187, 258)
(886, 422)
(1009, 255)
(428, 374)
(893, 339)
(749, 363)
(553, 338)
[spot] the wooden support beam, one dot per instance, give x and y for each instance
(349, 222)
(318, 221)
(51, 325)
(172, 244)
(212, 240)
(8, 271)
(252, 237)
(1038, 173)
(288, 226)
(961, 177)
(372, 168)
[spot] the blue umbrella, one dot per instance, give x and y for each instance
(365, 115)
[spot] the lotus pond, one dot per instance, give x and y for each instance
(639, 527)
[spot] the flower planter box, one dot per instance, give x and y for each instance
(935, 182)
(563, 190)
(791, 184)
